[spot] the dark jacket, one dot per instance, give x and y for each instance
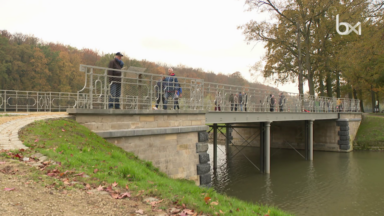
(231, 98)
(171, 84)
(116, 74)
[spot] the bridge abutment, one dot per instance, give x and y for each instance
(174, 141)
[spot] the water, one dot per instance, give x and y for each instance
(333, 184)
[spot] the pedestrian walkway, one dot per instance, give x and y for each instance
(9, 131)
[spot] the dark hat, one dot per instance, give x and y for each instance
(119, 54)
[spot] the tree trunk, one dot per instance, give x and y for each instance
(301, 87)
(373, 99)
(338, 84)
(378, 101)
(361, 100)
(311, 85)
(322, 93)
(328, 82)
(354, 94)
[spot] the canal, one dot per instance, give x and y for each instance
(332, 184)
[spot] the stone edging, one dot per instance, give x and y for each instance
(150, 131)
(72, 111)
(204, 167)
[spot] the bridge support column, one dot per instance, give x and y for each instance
(214, 146)
(265, 147)
(309, 140)
(228, 138)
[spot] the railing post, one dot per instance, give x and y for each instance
(16, 101)
(91, 89)
(37, 102)
(106, 87)
(50, 101)
(5, 101)
(27, 101)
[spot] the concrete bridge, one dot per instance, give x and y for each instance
(176, 140)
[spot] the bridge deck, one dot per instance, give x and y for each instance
(249, 117)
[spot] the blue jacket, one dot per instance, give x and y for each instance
(171, 84)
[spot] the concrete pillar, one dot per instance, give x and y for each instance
(214, 146)
(267, 147)
(228, 138)
(262, 141)
(309, 140)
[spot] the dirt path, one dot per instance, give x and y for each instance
(20, 195)
(4, 117)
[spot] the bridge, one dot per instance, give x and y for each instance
(149, 123)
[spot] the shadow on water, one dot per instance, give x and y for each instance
(332, 184)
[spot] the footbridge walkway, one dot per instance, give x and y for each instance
(165, 120)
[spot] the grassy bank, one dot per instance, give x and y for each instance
(78, 150)
(370, 135)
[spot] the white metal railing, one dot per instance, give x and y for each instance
(136, 90)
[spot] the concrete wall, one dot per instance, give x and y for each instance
(174, 152)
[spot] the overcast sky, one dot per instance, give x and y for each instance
(196, 33)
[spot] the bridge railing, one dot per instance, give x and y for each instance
(35, 101)
(137, 90)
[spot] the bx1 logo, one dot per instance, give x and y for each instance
(348, 27)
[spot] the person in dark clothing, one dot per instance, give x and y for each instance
(171, 85)
(272, 103)
(245, 99)
(240, 101)
(281, 101)
(115, 81)
(231, 100)
(160, 92)
(236, 101)
(176, 100)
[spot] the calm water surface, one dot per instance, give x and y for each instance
(333, 184)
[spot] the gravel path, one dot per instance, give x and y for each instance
(10, 126)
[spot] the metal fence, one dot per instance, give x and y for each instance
(134, 89)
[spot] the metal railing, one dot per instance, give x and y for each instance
(136, 90)
(35, 101)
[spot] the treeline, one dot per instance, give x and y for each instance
(304, 40)
(26, 63)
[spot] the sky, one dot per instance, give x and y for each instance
(195, 33)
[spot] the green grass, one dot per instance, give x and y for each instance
(221, 128)
(371, 132)
(80, 150)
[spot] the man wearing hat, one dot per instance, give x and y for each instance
(115, 81)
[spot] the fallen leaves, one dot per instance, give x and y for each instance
(3, 162)
(140, 211)
(9, 189)
(114, 184)
(95, 170)
(207, 199)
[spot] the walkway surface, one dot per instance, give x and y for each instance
(10, 124)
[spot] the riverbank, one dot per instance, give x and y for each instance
(78, 155)
(370, 135)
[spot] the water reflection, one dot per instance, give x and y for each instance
(332, 184)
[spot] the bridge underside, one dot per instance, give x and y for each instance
(251, 117)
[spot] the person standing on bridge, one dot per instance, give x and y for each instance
(273, 102)
(281, 101)
(231, 100)
(160, 92)
(240, 101)
(245, 99)
(171, 85)
(115, 81)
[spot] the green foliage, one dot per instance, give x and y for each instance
(79, 149)
(370, 133)
(28, 64)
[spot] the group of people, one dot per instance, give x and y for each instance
(238, 101)
(272, 102)
(167, 87)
